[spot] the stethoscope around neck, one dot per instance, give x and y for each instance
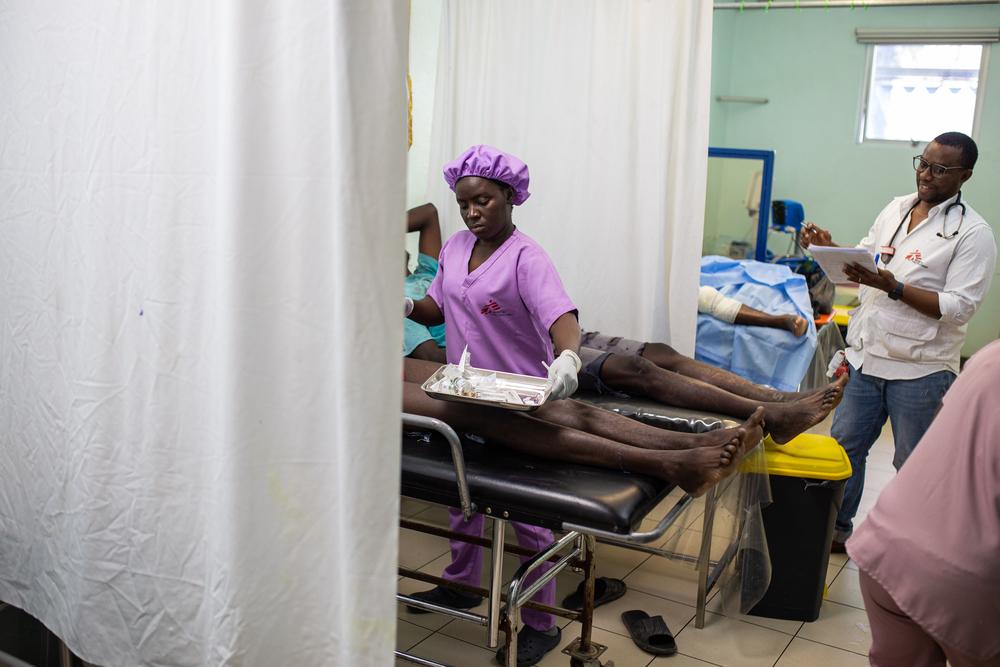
(887, 251)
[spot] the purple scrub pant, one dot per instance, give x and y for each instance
(467, 562)
(898, 640)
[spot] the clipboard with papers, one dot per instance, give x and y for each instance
(833, 259)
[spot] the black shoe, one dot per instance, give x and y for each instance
(532, 645)
(838, 547)
(445, 597)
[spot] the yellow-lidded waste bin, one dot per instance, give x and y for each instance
(808, 475)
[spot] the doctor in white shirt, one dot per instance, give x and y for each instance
(935, 259)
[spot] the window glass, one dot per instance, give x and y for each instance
(918, 91)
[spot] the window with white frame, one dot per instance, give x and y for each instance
(915, 91)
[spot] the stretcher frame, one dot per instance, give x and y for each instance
(575, 549)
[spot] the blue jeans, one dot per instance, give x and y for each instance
(910, 405)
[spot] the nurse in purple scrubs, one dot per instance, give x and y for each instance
(498, 292)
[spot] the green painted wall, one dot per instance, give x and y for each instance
(808, 64)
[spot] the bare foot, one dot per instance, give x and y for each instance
(796, 324)
(699, 469)
(835, 387)
(752, 431)
(787, 420)
(673, 440)
(835, 390)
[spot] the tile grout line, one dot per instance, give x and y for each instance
(839, 648)
(451, 639)
(831, 645)
(783, 651)
(707, 662)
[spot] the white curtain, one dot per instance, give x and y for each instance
(200, 230)
(607, 101)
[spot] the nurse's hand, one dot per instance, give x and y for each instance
(563, 372)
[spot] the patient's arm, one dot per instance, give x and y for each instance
(429, 351)
(426, 312)
(424, 219)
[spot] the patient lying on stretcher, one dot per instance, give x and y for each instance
(651, 370)
(575, 432)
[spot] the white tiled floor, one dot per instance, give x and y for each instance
(840, 637)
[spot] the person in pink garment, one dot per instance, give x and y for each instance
(929, 551)
(498, 293)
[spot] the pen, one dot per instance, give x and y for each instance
(877, 255)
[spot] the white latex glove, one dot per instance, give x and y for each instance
(407, 306)
(563, 372)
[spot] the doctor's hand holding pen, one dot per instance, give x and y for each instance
(813, 235)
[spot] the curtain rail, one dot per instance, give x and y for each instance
(857, 4)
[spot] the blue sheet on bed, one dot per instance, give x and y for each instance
(763, 355)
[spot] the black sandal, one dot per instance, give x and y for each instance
(650, 634)
(445, 597)
(605, 590)
(532, 645)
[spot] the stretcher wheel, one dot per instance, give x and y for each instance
(576, 662)
(589, 658)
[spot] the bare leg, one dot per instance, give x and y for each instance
(694, 470)
(597, 421)
(429, 351)
(668, 358)
(418, 370)
(640, 377)
(607, 424)
(795, 324)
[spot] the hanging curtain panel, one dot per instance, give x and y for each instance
(200, 221)
(607, 101)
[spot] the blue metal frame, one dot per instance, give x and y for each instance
(764, 214)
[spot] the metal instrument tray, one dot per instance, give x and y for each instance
(533, 391)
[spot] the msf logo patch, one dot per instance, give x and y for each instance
(493, 308)
(915, 257)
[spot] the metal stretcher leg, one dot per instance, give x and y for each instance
(705, 556)
(583, 651)
(496, 583)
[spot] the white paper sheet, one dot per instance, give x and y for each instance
(833, 260)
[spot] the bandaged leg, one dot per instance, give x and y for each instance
(712, 302)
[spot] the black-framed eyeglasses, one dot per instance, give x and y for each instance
(920, 165)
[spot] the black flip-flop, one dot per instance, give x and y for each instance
(532, 645)
(650, 634)
(605, 590)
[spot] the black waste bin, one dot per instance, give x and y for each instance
(808, 476)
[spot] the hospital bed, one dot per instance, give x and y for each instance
(581, 503)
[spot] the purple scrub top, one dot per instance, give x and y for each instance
(503, 310)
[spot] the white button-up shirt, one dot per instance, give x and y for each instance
(894, 341)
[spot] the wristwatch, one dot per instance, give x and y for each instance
(896, 293)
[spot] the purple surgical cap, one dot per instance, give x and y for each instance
(488, 162)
